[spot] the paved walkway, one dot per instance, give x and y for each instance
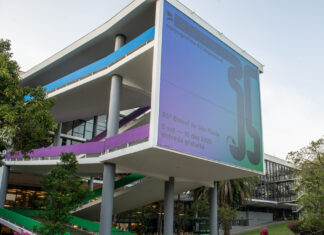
(254, 227)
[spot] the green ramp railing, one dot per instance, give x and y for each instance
(21, 216)
(118, 184)
(80, 222)
(20, 220)
(83, 223)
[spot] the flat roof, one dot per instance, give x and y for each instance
(271, 158)
(102, 31)
(99, 41)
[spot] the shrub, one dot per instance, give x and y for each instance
(295, 226)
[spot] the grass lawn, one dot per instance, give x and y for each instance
(279, 229)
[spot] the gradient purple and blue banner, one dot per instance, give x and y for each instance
(209, 96)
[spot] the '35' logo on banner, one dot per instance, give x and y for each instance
(244, 115)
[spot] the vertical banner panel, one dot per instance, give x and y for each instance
(209, 96)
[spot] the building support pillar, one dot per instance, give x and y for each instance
(4, 176)
(168, 206)
(112, 129)
(114, 105)
(115, 92)
(213, 210)
(107, 199)
(90, 183)
(159, 221)
(57, 135)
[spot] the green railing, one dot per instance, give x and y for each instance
(87, 224)
(80, 222)
(27, 212)
(20, 220)
(118, 184)
(83, 223)
(21, 216)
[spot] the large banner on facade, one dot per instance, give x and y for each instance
(209, 96)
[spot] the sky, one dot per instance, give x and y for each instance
(287, 37)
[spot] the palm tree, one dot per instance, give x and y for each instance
(231, 196)
(235, 192)
(200, 196)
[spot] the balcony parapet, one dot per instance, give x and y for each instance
(102, 63)
(131, 136)
(124, 121)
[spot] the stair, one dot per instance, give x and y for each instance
(118, 184)
(22, 222)
(18, 222)
(76, 223)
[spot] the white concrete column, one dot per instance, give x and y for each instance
(57, 136)
(114, 105)
(213, 210)
(112, 129)
(107, 199)
(90, 183)
(168, 206)
(115, 92)
(4, 176)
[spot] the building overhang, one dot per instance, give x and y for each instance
(161, 163)
(272, 204)
(89, 96)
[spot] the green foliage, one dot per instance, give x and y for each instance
(295, 226)
(64, 191)
(309, 162)
(200, 204)
(24, 124)
(231, 195)
(201, 207)
(227, 213)
(234, 192)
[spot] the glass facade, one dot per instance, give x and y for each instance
(82, 129)
(101, 124)
(277, 183)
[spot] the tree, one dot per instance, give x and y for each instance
(309, 163)
(200, 205)
(24, 123)
(235, 192)
(64, 192)
(226, 214)
(231, 195)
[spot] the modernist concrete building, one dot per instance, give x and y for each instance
(181, 103)
(273, 199)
